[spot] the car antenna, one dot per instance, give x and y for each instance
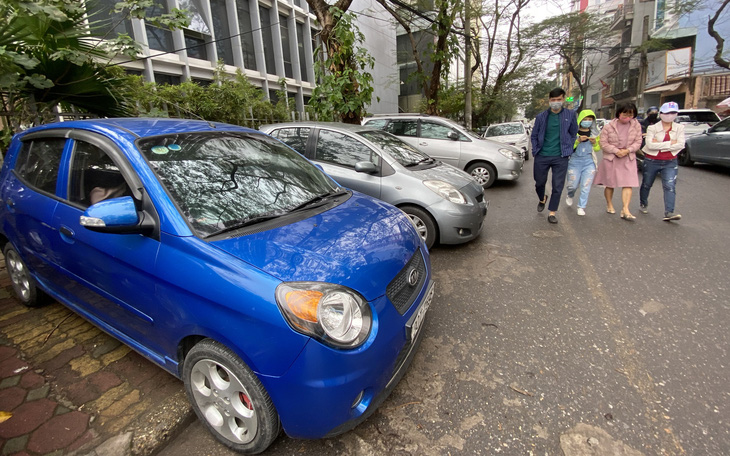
(193, 114)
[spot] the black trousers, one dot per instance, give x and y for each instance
(559, 166)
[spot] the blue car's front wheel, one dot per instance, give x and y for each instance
(23, 283)
(229, 399)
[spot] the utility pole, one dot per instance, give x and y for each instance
(467, 66)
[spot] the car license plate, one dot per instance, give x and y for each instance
(421, 313)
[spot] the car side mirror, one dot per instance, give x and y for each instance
(452, 135)
(116, 215)
(366, 167)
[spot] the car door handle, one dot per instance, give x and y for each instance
(423, 143)
(66, 231)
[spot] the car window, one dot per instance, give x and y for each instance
(402, 152)
(377, 123)
(723, 125)
(700, 116)
(338, 148)
(221, 179)
(295, 137)
(403, 127)
(94, 176)
(505, 129)
(433, 130)
(38, 163)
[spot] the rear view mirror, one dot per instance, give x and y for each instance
(366, 167)
(116, 215)
(453, 135)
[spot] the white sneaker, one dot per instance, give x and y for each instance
(569, 201)
(581, 211)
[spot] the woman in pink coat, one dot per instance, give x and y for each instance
(620, 139)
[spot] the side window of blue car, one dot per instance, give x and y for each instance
(94, 176)
(38, 163)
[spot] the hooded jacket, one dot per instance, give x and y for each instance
(594, 133)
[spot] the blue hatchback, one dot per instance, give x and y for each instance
(279, 298)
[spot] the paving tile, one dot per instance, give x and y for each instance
(31, 380)
(15, 445)
(92, 387)
(10, 398)
(10, 381)
(62, 359)
(7, 352)
(87, 437)
(27, 417)
(59, 432)
(38, 393)
(12, 366)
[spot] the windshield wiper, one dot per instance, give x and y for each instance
(238, 224)
(319, 200)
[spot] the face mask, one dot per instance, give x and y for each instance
(624, 120)
(668, 117)
(556, 105)
(586, 123)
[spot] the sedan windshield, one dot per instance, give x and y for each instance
(225, 179)
(402, 152)
(505, 129)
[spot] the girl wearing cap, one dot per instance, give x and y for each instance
(664, 140)
(620, 139)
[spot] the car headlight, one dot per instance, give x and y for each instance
(446, 191)
(511, 154)
(333, 314)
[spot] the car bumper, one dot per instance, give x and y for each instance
(459, 223)
(328, 391)
(511, 170)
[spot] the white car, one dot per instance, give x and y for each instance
(696, 121)
(512, 133)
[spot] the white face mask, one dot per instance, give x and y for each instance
(668, 117)
(556, 105)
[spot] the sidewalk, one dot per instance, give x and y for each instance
(66, 387)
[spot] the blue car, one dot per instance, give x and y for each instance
(279, 298)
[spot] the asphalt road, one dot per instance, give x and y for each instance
(594, 336)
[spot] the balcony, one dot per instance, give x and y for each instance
(622, 17)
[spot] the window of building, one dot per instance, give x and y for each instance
(300, 50)
(285, 50)
(244, 24)
(264, 14)
(38, 163)
(161, 78)
(197, 34)
(222, 31)
(110, 23)
(158, 38)
(343, 150)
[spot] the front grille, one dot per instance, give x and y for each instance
(399, 291)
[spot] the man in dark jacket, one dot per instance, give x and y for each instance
(553, 137)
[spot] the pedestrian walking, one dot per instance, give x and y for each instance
(553, 136)
(620, 139)
(664, 140)
(583, 162)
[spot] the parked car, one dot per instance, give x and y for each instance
(600, 123)
(711, 146)
(487, 161)
(445, 204)
(696, 121)
(512, 133)
(218, 253)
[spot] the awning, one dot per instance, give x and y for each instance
(664, 88)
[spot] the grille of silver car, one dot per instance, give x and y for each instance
(402, 293)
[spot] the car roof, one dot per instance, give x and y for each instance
(353, 128)
(141, 127)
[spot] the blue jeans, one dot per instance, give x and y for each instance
(559, 166)
(581, 171)
(668, 171)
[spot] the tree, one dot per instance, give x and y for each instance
(570, 36)
(539, 98)
(716, 35)
(442, 44)
(344, 64)
(51, 56)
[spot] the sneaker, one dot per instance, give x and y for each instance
(581, 211)
(643, 209)
(552, 219)
(569, 201)
(669, 216)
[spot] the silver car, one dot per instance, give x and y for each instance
(444, 203)
(710, 146)
(512, 133)
(487, 161)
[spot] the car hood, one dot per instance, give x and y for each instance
(446, 173)
(362, 244)
(509, 138)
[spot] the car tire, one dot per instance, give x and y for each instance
(424, 223)
(683, 158)
(24, 284)
(229, 399)
(484, 173)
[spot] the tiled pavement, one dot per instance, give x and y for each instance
(66, 387)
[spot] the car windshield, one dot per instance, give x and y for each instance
(403, 152)
(223, 179)
(505, 129)
(698, 116)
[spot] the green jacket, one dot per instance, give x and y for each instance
(594, 133)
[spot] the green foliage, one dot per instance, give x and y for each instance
(229, 99)
(345, 85)
(539, 98)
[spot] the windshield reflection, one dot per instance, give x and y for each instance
(403, 152)
(220, 179)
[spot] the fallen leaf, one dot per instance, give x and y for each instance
(4, 416)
